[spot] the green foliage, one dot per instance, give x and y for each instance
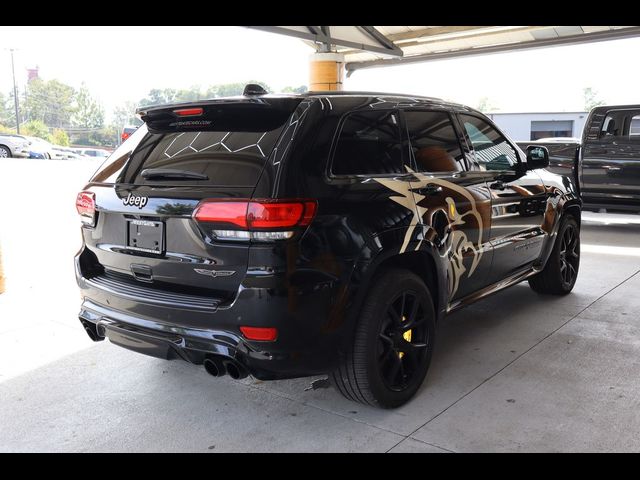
(5, 109)
(484, 105)
(59, 137)
(88, 112)
(51, 102)
(103, 137)
(36, 128)
(4, 129)
(125, 114)
(300, 89)
(232, 89)
(591, 99)
(157, 97)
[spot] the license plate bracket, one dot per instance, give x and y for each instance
(145, 236)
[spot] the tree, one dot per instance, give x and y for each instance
(60, 137)
(50, 102)
(591, 99)
(232, 89)
(125, 114)
(484, 105)
(5, 110)
(300, 89)
(158, 96)
(36, 128)
(88, 112)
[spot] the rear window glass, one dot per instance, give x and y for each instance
(224, 158)
(369, 144)
(229, 157)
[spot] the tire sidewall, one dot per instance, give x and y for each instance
(570, 221)
(384, 297)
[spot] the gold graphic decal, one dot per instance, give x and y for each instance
(455, 240)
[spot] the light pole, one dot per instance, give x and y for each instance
(15, 93)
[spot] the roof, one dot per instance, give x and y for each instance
(371, 46)
(383, 96)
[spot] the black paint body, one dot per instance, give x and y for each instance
(311, 287)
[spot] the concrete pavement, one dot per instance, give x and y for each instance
(515, 372)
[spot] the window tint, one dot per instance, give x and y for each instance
(434, 143)
(369, 144)
(112, 166)
(491, 148)
(621, 125)
(224, 158)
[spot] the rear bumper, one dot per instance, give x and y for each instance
(307, 344)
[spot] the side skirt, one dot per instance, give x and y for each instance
(491, 289)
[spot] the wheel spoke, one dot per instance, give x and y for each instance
(572, 271)
(402, 306)
(395, 368)
(403, 339)
(395, 318)
(413, 319)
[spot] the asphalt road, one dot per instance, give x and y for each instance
(515, 372)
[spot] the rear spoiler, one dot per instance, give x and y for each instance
(229, 114)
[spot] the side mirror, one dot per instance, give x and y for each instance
(537, 157)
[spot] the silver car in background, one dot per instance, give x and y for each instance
(13, 146)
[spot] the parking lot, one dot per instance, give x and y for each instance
(515, 372)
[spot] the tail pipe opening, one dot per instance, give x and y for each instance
(214, 367)
(235, 369)
(92, 330)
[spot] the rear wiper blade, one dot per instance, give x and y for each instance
(170, 173)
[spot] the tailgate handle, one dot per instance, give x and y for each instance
(142, 272)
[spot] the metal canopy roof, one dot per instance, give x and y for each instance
(366, 47)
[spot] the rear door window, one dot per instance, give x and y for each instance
(369, 143)
(621, 125)
(434, 143)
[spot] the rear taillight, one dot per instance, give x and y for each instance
(261, 220)
(86, 206)
(260, 334)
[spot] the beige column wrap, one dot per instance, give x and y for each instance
(326, 71)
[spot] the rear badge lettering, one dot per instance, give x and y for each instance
(214, 273)
(135, 201)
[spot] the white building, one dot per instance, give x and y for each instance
(532, 126)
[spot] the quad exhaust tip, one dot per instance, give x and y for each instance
(214, 367)
(217, 366)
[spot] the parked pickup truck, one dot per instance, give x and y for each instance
(606, 164)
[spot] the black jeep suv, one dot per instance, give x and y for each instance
(325, 233)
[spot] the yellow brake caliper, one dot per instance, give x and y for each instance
(406, 335)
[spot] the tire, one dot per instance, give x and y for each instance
(5, 152)
(379, 348)
(561, 271)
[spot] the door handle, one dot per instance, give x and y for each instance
(430, 189)
(499, 185)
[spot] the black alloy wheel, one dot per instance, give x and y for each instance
(403, 341)
(561, 271)
(392, 344)
(569, 255)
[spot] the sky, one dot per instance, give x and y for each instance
(123, 63)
